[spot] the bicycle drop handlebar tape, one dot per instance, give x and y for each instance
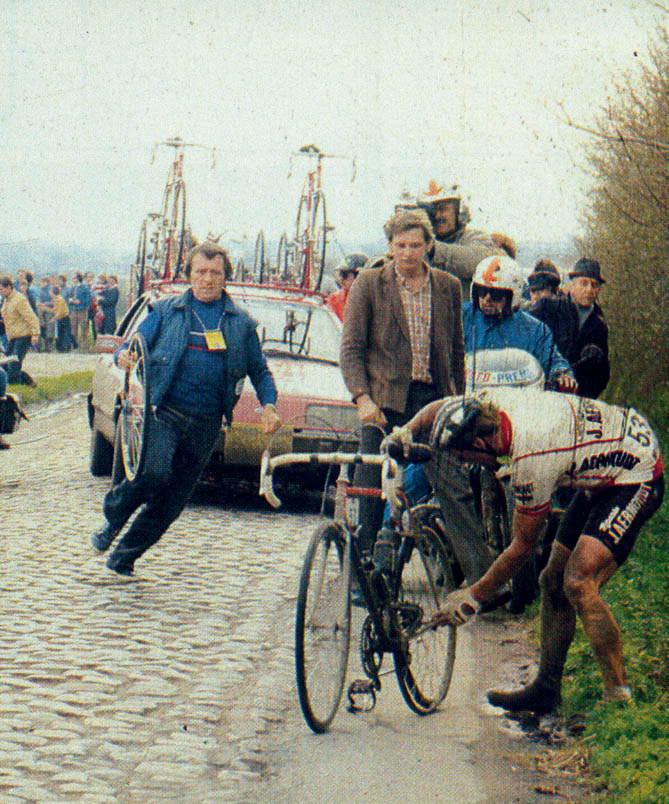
(418, 453)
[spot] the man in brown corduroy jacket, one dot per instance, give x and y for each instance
(402, 344)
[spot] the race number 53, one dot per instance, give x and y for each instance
(639, 430)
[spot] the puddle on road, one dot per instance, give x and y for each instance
(545, 729)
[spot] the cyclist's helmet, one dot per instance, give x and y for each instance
(352, 263)
(500, 273)
(436, 193)
(460, 421)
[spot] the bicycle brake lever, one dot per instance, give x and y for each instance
(266, 488)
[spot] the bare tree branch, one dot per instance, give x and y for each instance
(661, 146)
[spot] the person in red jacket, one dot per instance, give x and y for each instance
(345, 274)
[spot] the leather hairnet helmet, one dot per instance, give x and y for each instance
(436, 193)
(502, 273)
(460, 420)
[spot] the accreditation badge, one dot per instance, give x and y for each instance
(215, 340)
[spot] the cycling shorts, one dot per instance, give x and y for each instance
(613, 516)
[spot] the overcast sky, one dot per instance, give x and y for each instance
(455, 91)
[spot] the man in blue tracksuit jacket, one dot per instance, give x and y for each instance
(201, 346)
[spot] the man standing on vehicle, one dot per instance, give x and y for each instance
(611, 456)
(402, 343)
(201, 346)
(457, 248)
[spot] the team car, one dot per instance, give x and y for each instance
(300, 338)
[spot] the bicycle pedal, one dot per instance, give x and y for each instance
(361, 687)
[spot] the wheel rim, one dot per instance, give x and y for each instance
(323, 627)
(135, 408)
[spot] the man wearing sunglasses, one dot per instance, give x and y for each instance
(493, 320)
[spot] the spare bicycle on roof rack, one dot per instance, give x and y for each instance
(300, 260)
(165, 237)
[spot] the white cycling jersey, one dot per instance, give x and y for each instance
(559, 439)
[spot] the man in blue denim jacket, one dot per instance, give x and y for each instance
(201, 346)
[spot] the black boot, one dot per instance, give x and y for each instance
(538, 697)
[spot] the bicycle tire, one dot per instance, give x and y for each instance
(319, 228)
(323, 626)
(178, 229)
(424, 665)
(139, 268)
(259, 258)
(302, 265)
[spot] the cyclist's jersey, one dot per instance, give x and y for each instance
(563, 440)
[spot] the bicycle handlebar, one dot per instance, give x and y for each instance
(390, 471)
(313, 151)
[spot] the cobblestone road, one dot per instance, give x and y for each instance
(156, 690)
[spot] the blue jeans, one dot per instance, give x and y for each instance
(178, 448)
(416, 487)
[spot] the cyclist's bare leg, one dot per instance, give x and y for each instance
(589, 568)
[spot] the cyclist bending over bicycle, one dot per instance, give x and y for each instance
(547, 440)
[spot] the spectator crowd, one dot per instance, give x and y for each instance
(59, 314)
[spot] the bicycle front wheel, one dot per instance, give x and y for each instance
(424, 664)
(323, 626)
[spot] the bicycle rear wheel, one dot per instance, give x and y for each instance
(424, 665)
(323, 626)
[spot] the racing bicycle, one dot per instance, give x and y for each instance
(302, 259)
(401, 598)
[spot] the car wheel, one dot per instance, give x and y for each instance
(101, 454)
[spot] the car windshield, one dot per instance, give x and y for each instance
(294, 329)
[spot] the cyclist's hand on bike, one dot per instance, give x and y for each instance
(567, 384)
(458, 608)
(400, 436)
(369, 412)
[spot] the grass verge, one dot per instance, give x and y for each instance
(49, 389)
